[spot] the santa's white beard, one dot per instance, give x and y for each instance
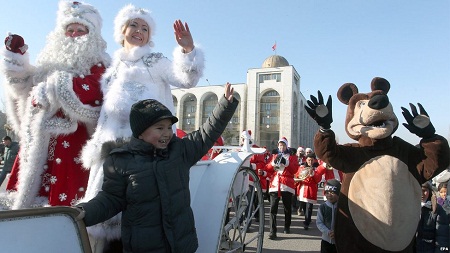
(76, 55)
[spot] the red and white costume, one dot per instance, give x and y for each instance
(283, 178)
(329, 172)
(258, 161)
(54, 108)
(307, 189)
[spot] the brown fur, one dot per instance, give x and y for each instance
(379, 204)
(107, 147)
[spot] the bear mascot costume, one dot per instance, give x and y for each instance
(379, 204)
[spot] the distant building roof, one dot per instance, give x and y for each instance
(275, 61)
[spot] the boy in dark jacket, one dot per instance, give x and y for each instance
(432, 232)
(326, 216)
(147, 179)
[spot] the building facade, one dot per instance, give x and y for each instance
(271, 106)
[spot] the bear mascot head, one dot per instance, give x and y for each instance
(380, 200)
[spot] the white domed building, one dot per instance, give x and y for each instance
(271, 106)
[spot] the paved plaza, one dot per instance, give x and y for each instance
(299, 240)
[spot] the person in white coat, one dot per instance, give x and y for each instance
(137, 73)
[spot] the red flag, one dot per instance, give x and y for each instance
(274, 47)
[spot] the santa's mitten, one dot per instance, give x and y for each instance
(418, 124)
(320, 112)
(15, 44)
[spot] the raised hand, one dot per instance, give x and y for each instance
(320, 112)
(183, 36)
(16, 44)
(418, 124)
(228, 92)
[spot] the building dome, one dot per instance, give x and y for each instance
(275, 61)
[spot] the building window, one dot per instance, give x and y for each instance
(231, 133)
(189, 111)
(175, 105)
(269, 119)
(271, 76)
(297, 81)
(295, 120)
(208, 106)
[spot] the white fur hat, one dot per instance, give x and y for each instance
(284, 140)
(78, 12)
(130, 12)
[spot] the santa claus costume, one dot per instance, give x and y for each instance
(135, 74)
(54, 107)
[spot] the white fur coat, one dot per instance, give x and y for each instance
(135, 75)
(36, 124)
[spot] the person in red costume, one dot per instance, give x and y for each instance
(328, 173)
(281, 170)
(212, 153)
(307, 179)
(54, 107)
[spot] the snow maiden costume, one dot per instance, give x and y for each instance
(54, 108)
(135, 75)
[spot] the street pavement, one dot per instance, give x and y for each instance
(299, 240)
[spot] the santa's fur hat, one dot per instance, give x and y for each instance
(130, 12)
(78, 12)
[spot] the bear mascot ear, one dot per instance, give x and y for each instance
(379, 83)
(346, 92)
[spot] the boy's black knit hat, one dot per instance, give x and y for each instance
(333, 185)
(147, 112)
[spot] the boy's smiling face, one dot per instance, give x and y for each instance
(158, 134)
(332, 196)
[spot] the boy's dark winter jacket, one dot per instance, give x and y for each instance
(151, 188)
(433, 230)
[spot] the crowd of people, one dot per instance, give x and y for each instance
(294, 176)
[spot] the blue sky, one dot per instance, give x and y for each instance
(328, 42)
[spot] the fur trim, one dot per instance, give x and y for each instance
(107, 147)
(78, 12)
(109, 230)
(17, 85)
(14, 63)
(31, 159)
(134, 54)
(130, 12)
(70, 102)
(188, 68)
